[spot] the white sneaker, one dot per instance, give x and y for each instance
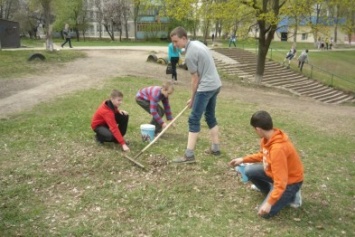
(297, 202)
(253, 187)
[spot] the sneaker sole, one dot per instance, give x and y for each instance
(184, 162)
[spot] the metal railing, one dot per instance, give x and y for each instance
(314, 72)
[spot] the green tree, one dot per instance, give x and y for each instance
(74, 13)
(267, 18)
(185, 11)
(47, 8)
(8, 8)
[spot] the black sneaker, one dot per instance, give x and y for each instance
(98, 141)
(211, 152)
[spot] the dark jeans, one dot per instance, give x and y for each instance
(258, 177)
(105, 135)
(66, 41)
(300, 65)
(146, 106)
(174, 62)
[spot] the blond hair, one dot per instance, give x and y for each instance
(116, 93)
(168, 86)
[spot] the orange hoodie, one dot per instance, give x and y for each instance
(281, 163)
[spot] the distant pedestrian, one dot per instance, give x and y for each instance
(290, 55)
(67, 36)
(232, 40)
(327, 43)
(302, 59)
(212, 38)
(331, 43)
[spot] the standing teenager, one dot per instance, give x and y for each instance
(205, 86)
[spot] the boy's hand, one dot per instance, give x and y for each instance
(172, 125)
(264, 209)
(125, 148)
(124, 112)
(236, 162)
(189, 103)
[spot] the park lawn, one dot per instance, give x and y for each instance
(56, 181)
(15, 63)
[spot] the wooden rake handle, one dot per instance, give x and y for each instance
(162, 132)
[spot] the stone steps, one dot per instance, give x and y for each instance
(276, 75)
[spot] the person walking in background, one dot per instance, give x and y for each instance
(327, 43)
(205, 86)
(331, 43)
(67, 37)
(302, 59)
(109, 123)
(232, 40)
(149, 97)
(212, 38)
(174, 57)
(276, 170)
(290, 55)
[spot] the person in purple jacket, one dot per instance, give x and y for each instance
(149, 97)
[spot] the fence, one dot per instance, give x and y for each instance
(317, 73)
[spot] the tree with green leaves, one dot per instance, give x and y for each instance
(8, 8)
(47, 8)
(72, 12)
(185, 11)
(267, 18)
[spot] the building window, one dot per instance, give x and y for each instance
(304, 36)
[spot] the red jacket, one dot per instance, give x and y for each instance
(105, 115)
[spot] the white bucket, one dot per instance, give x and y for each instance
(147, 132)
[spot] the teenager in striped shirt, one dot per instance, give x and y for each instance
(149, 97)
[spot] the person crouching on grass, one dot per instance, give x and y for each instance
(109, 123)
(149, 97)
(277, 170)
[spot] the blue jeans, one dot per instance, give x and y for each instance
(258, 177)
(204, 102)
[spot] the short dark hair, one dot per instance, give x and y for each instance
(179, 32)
(261, 119)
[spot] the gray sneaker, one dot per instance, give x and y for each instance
(185, 160)
(297, 202)
(211, 152)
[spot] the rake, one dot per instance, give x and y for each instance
(153, 141)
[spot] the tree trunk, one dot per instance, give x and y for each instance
(47, 18)
(295, 30)
(261, 59)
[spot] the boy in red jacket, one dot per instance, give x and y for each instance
(278, 172)
(110, 123)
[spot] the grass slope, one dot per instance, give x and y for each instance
(56, 181)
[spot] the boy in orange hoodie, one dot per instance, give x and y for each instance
(278, 170)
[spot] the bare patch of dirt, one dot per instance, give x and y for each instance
(21, 94)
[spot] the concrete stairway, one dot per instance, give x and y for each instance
(241, 63)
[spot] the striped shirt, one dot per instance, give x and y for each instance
(154, 96)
